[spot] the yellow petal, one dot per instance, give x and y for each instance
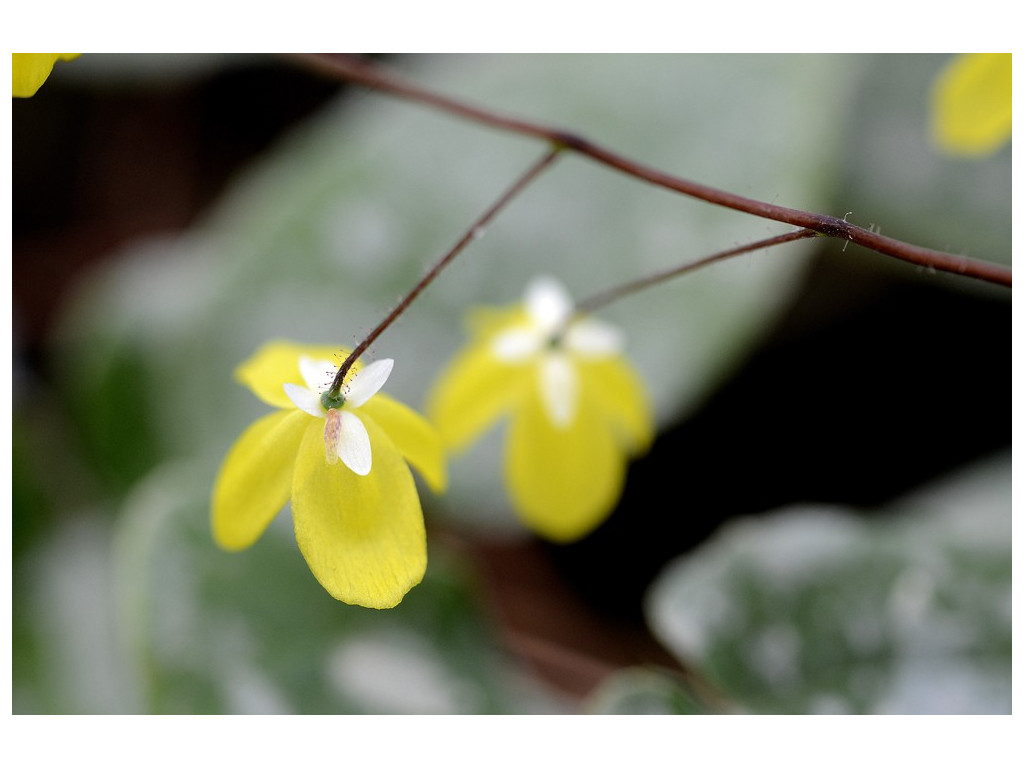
(473, 393)
(256, 478)
(277, 363)
(362, 537)
(972, 104)
(563, 482)
(620, 395)
(30, 70)
(484, 323)
(412, 435)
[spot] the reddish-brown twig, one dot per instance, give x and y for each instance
(598, 300)
(474, 231)
(357, 70)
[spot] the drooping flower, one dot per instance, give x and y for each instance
(972, 107)
(576, 409)
(355, 509)
(30, 70)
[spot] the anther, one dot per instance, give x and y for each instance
(332, 435)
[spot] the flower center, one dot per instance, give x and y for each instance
(329, 401)
(555, 341)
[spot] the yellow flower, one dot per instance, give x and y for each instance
(577, 411)
(355, 509)
(30, 70)
(972, 104)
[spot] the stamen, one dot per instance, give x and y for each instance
(332, 435)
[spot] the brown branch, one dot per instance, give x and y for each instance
(356, 70)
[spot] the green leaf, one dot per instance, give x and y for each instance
(814, 610)
(641, 691)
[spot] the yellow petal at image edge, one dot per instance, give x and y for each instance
(563, 482)
(473, 393)
(30, 70)
(972, 104)
(363, 537)
(255, 480)
(276, 363)
(417, 441)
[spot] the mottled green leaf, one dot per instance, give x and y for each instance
(824, 610)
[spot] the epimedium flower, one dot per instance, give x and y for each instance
(30, 70)
(343, 464)
(577, 412)
(971, 111)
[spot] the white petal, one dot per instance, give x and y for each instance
(548, 303)
(594, 338)
(516, 344)
(318, 374)
(367, 382)
(305, 399)
(558, 388)
(354, 444)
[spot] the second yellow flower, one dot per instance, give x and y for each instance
(577, 411)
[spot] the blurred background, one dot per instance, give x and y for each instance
(822, 526)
